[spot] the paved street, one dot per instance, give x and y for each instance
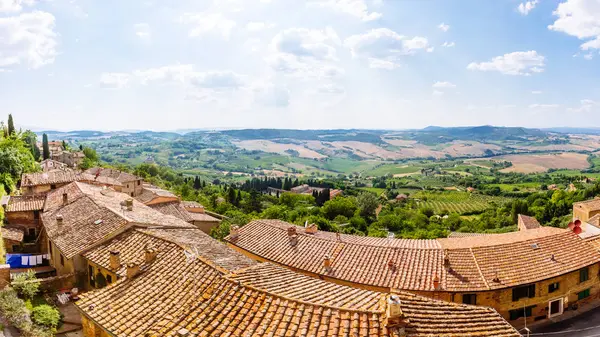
(584, 325)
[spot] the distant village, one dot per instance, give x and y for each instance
(122, 257)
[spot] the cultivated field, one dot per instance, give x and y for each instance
(534, 163)
(457, 202)
(272, 147)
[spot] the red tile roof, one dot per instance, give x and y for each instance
(461, 264)
(176, 209)
(527, 222)
(25, 203)
(13, 234)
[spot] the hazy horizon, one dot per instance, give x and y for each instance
(315, 64)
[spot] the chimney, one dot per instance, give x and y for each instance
(234, 233)
(327, 263)
(291, 231)
(392, 265)
(115, 260)
(311, 229)
(129, 203)
(59, 220)
(65, 199)
(446, 259)
(132, 270)
(436, 283)
(150, 255)
(496, 279)
(395, 316)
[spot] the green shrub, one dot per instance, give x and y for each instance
(24, 288)
(46, 316)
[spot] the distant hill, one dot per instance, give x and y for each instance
(434, 135)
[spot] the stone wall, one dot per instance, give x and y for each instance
(4, 275)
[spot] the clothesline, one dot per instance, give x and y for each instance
(33, 260)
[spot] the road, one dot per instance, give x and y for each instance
(584, 325)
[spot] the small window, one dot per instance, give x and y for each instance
(91, 275)
(62, 260)
(36, 215)
(470, 299)
(553, 287)
(31, 232)
(584, 275)
(139, 182)
(108, 279)
(518, 313)
(523, 292)
(52, 187)
(583, 294)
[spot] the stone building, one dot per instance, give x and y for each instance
(40, 183)
(70, 158)
(535, 274)
(49, 165)
(585, 210)
(22, 214)
(130, 184)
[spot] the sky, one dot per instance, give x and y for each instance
(300, 64)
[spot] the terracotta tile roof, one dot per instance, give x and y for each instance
(174, 293)
(49, 177)
(466, 235)
(462, 264)
(150, 193)
(191, 204)
(25, 203)
(176, 209)
(13, 234)
(121, 176)
(594, 221)
(527, 222)
(593, 241)
(354, 259)
(93, 214)
(92, 179)
(593, 204)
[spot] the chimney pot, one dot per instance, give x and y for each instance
(235, 232)
(115, 260)
(395, 316)
(129, 203)
(392, 265)
(65, 198)
(132, 270)
(436, 282)
(291, 231)
(327, 262)
(59, 220)
(311, 229)
(150, 255)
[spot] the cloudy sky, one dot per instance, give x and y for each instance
(180, 64)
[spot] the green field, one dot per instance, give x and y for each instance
(457, 202)
(391, 169)
(519, 186)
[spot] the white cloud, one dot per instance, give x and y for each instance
(143, 31)
(383, 47)
(13, 6)
(588, 56)
(444, 85)
(272, 95)
(306, 43)
(114, 80)
(543, 106)
(256, 26)
(579, 18)
(218, 80)
(586, 105)
(27, 38)
(204, 23)
(536, 92)
(331, 89)
(448, 44)
(444, 27)
(516, 63)
(525, 7)
(177, 73)
(356, 8)
(437, 93)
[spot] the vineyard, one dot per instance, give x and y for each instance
(457, 202)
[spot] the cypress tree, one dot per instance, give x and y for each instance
(11, 125)
(45, 147)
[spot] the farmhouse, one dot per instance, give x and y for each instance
(534, 274)
(22, 214)
(70, 158)
(50, 164)
(585, 210)
(40, 183)
(130, 184)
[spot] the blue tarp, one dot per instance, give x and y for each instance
(14, 260)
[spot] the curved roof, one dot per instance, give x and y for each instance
(460, 264)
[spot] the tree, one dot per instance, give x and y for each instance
(197, 184)
(45, 147)
(339, 206)
(367, 203)
(11, 125)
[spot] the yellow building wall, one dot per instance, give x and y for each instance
(91, 329)
(98, 269)
(67, 267)
(583, 213)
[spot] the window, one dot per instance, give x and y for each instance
(36, 214)
(553, 287)
(518, 313)
(583, 294)
(108, 279)
(139, 182)
(91, 275)
(523, 292)
(584, 275)
(470, 299)
(555, 308)
(62, 260)
(31, 232)
(52, 187)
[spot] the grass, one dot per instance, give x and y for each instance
(457, 202)
(520, 186)
(392, 169)
(486, 163)
(573, 173)
(375, 190)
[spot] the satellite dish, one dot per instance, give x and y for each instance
(577, 223)
(571, 225)
(577, 230)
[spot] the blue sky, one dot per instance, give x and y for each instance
(180, 64)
